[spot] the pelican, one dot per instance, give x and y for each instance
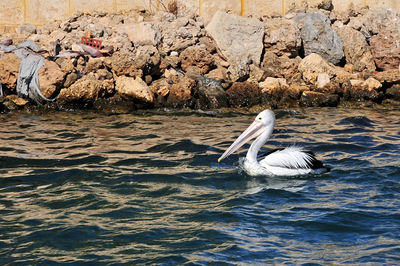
(291, 161)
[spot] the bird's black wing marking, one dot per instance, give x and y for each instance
(314, 163)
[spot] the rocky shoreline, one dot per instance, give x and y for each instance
(308, 58)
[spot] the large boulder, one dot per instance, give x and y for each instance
(196, 56)
(272, 84)
(276, 93)
(145, 60)
(385, 48)
(180, 92)
(134, 89)
(313, 98)
(211, 93)
(51, 79)
(313, 65)
(86, 89)
(124, 64)
(319, 37)
(9, 68)
(356, 49)
(282, 37)
(361, 90)
(280, 66)
(239, 39)
(243, 94)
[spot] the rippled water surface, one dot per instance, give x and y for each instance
(146, 188)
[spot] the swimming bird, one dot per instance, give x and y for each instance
(290, 161)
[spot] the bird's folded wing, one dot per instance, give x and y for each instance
(292, 158)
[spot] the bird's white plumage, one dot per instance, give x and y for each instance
(290, 157)
(290, 161)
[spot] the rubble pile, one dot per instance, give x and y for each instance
(140, 60)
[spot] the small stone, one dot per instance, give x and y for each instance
(17, 100)
(323, 80)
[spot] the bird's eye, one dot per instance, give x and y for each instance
(260, 118)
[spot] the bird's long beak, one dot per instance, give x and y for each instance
(254, 130)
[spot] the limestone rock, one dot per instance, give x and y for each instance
(17, 100)
(196, 56)
(377, 20)
(218, 74)
(385, 48)
(314, 64)
(94, 64)
(388, 76)
(372, 84)
(26, 28)
(312, 98)
(394, 92)
(66, 64)
(272, 84)
(318, 37)
(160, 88)
(360, 90)
(243, 94)
(51, 79)
(178, 33)
(146, 60)
(142, 34)
(320, 4)
(208, 44)
(9, 68)
(282, 37)
(211, 93)
(282, 66)
(323, 80)
(342, 75)
(239, 39)
(356, 49)
(282, 95)
(180, 93)
(86, 89)
(134, 89)
(256, 74)
(70, 79)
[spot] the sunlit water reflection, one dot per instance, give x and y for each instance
(147, 188)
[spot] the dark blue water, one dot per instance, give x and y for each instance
(146, 188)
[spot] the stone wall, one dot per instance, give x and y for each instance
(37, 12)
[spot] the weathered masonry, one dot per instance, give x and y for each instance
(37, 12)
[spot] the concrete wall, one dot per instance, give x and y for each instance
(37, 12)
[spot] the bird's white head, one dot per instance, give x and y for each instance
(267, 117)
(264, 120)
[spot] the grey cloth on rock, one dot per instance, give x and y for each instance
(28, 76)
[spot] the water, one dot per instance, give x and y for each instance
(146, 188)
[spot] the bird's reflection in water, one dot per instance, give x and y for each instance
(258, 184)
